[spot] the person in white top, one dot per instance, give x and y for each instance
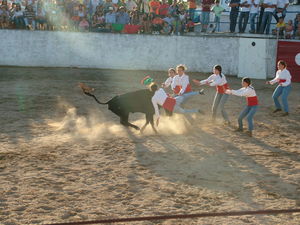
(168, 82)
(170, 104)
(280, 10)
(252, 103)
(283, 78)
(253, 13)
(219, 81)
(269, 6)
(244, 15)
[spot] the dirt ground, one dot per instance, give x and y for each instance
(64, 158)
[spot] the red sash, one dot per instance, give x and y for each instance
(252, 101)
(222, 88)
(281, 81)
(178, 88)
(169, 104)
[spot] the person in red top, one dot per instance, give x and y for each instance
(163, 8)
(192, 8)
(154, 6)
(252, 103)
(206, 5)
(157, 24)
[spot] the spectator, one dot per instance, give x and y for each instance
(131, 5)
(280, 27)
(163, 8)
(269, 6)
(234, 13)
(190, 25)
(280, 10)
(206, 6)
(29, 17)
(192, 8)
(244, 15)
(18, 17)
(122, 16)
(121, 3)
(157, 24)
(107, 5)
(217, 9)
(169, 19)
(4, 17)
(98, 21)
(154, 7)
(289, 30)
(135, 17)
(144, 7)
(253, 13)
(297, 27)
(84, 24)
(110, 18)
(41, 20)
(166, 29)
(173, 9)
(261, 14)
(146, 24)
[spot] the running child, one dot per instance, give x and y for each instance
(252, 103)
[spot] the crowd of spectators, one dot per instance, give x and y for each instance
(146, 16)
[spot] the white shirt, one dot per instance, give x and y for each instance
(182, 81)
(215, 80)
(282, 75)
(245, 91)
(253, 8)
(282, 3)
(130, 5)
(168, 82)
(158, 98)
(270, 3)
(245, 9)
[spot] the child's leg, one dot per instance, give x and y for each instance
(243, 114)
(285, 93)
(222, 104)
(276, 94)
(250, 115)
(215, 105)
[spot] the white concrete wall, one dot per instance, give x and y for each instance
(120, 51)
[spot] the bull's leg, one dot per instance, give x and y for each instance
(143, 128)
(124, 121)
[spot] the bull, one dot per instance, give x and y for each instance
(122, 105)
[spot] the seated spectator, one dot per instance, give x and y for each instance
(81, 12)
(29, 17)
(4, 17)
(280, 27)
(190, 25)
(122, 16)
(135, 17)
(163, 8)
(169, 19)
(130, 5)
(18, 17)
(107, 5)
(41, 20)
(84, 25)
(166, 29)
(98, 20)
(110, 18)
(157, 24)
(289, 30)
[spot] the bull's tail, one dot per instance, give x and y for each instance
(87, 90)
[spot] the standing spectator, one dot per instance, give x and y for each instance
(192, 8)
(122, 16)
(18, 17)
(297, 27)
(144, 6)
(110, 18)
(135, 17)
(269, 6)
(4, 17)
(146, 23)
(253, 14)
(261, 14)
(154, 7)
(108, 4)
(234, 13)
(130, 5)
(206, 5)
(244, 15)
(280, 10)
(163, 8)
(217, 9)
(29, 17)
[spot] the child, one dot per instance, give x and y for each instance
(181, 82)
(166, 29)
(217, 9)
(171, 74)
(190, 25)
(84, 24)
(283, 77)
(280, 27)
(218, 80)
(289, 30)
(252, 103)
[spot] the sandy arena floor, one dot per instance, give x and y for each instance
(64, 158)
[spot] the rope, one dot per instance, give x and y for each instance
(183, 216)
